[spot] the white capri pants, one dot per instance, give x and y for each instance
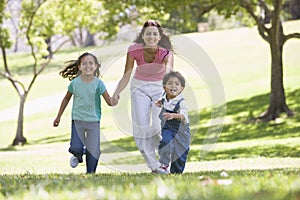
(146, 124)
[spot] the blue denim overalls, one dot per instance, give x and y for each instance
(175, 143)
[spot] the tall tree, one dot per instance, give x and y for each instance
(37, 45)
(273, 34)
(39, 21)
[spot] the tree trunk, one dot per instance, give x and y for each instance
(49, 48)
(20, 139)
(277, 101)
(89, 42)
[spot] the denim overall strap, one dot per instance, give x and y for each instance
(177, 106)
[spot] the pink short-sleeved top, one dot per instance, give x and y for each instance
(148, 71)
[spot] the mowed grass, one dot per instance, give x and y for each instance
(261, 159)
(254, 185)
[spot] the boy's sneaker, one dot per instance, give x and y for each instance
(165, 167)
(74, 161)
(159, 171)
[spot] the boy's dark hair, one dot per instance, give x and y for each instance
(174, 74)
(71, 70)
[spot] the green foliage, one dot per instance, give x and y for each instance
(227, 8)
(33, 27)
(63, 17)
(120, 13)
(181, 16)
(237, 8)
(78, 14)
(4, 38)
(4, 32)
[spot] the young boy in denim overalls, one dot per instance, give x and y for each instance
(175, 143)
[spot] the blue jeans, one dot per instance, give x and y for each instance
(86, 134)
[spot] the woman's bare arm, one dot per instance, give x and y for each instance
(126, 76)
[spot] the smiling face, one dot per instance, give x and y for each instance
(173, 87)
(88, 66)
(151, 36)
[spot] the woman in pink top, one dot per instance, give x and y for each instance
(152, 51)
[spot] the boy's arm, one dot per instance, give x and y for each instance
(182, 115)
(158, 103)
(170, 116)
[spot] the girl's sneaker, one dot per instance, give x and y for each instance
(74, 161)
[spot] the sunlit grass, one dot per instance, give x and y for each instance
(250, 184)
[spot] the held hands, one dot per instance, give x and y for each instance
(115, 99)
(158, 103)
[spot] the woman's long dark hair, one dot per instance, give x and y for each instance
(164, 41)
(71, 70)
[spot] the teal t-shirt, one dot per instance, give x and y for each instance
(87, 99)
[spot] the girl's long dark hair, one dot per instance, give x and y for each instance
(71, 70)
(164, 41)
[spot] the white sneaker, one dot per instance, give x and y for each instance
(74, 161)
(165, 167)
(160, 171)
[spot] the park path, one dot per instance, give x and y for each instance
(32, 107)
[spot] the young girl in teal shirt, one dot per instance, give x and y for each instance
(87, 89)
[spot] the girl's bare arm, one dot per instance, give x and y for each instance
(63, 106)
(108, 99)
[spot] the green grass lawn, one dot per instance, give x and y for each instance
(250, 184)
(261, 159)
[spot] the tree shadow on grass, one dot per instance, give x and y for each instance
(241, 126)
(45, 140)
(268, 151)
(51, 139)
(133, 160)
(238, 128)
(9, 148)
(120, 145)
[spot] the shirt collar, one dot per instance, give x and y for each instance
(177, 98)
